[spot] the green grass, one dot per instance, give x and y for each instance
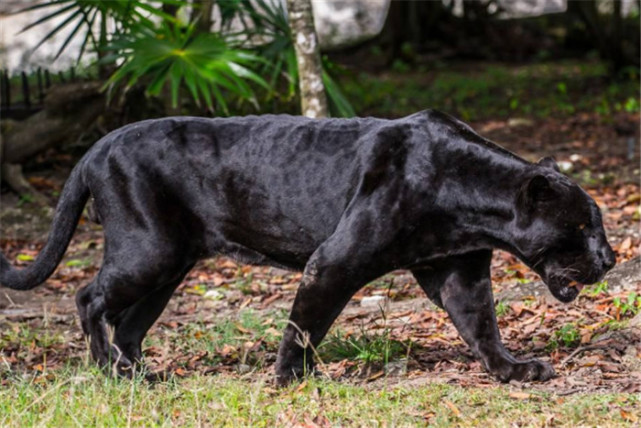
(84, 397)
(502, 308)
(79, 394)
(26, 336)
(479, 91)
(228, 339)
(377, 348)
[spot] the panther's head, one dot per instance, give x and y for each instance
(559, 232)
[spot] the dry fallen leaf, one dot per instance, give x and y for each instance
(626, 244)
(628, 416)
(453, 408)
(520, 395)
(302, 386)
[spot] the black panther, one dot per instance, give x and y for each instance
(343, 200)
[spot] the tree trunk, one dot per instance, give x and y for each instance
(608, 39)
(170, 9)
(103, 69)
(392, 35)
(312, 89)
(202, 11)
(588, 13)
(618, 60)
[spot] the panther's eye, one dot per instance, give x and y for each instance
(582, 226)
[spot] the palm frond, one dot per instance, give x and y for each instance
(125, 13)
(172, 55)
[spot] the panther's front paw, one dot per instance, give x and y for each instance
(526, 371)
(285, 376)
(288, 373)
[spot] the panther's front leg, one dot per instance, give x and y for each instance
(337, 269)
(462, 286)
(327, 285)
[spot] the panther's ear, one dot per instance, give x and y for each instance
(549, 162)
(538, 188)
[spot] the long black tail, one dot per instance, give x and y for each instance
(72, 201)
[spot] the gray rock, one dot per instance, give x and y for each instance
(625, 276)
(375, 301)
(635, 322)
(396, 368)
(342, 23)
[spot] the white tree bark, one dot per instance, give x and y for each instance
(312, 89)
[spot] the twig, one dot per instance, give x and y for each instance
(569, 392)
(9, 299)
(304, 341)
(579, 350)
(130, 407)
(4, 360)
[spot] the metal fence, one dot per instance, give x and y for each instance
(22, 95)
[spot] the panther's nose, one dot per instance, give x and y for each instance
(608, 258)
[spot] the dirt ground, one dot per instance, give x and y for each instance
(590, 342)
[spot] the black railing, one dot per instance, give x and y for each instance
(22, 95)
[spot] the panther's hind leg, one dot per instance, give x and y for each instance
(126, 294)
(133, 323)
(91, 308)
(83, 298)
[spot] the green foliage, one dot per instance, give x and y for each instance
(226, 338)
(27, 337)
(558, 89)
(244, 283)
(502, 308)
(518, 276)
(210, 67)
(173, 54)
(632, 105)
(339, 105)
(85, 15)
(596, 289)
(25, 198)
(81, 263)
(614, 325)
(370, 348)
(568, 336)
(628, 306)
(585, 177)
(272, 26)
(400, 66)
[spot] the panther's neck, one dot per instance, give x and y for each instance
(481, 185)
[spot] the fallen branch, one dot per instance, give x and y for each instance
(68, 111)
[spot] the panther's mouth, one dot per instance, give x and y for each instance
(575, 284)
(565, 289)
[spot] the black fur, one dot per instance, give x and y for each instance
(345, 200)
